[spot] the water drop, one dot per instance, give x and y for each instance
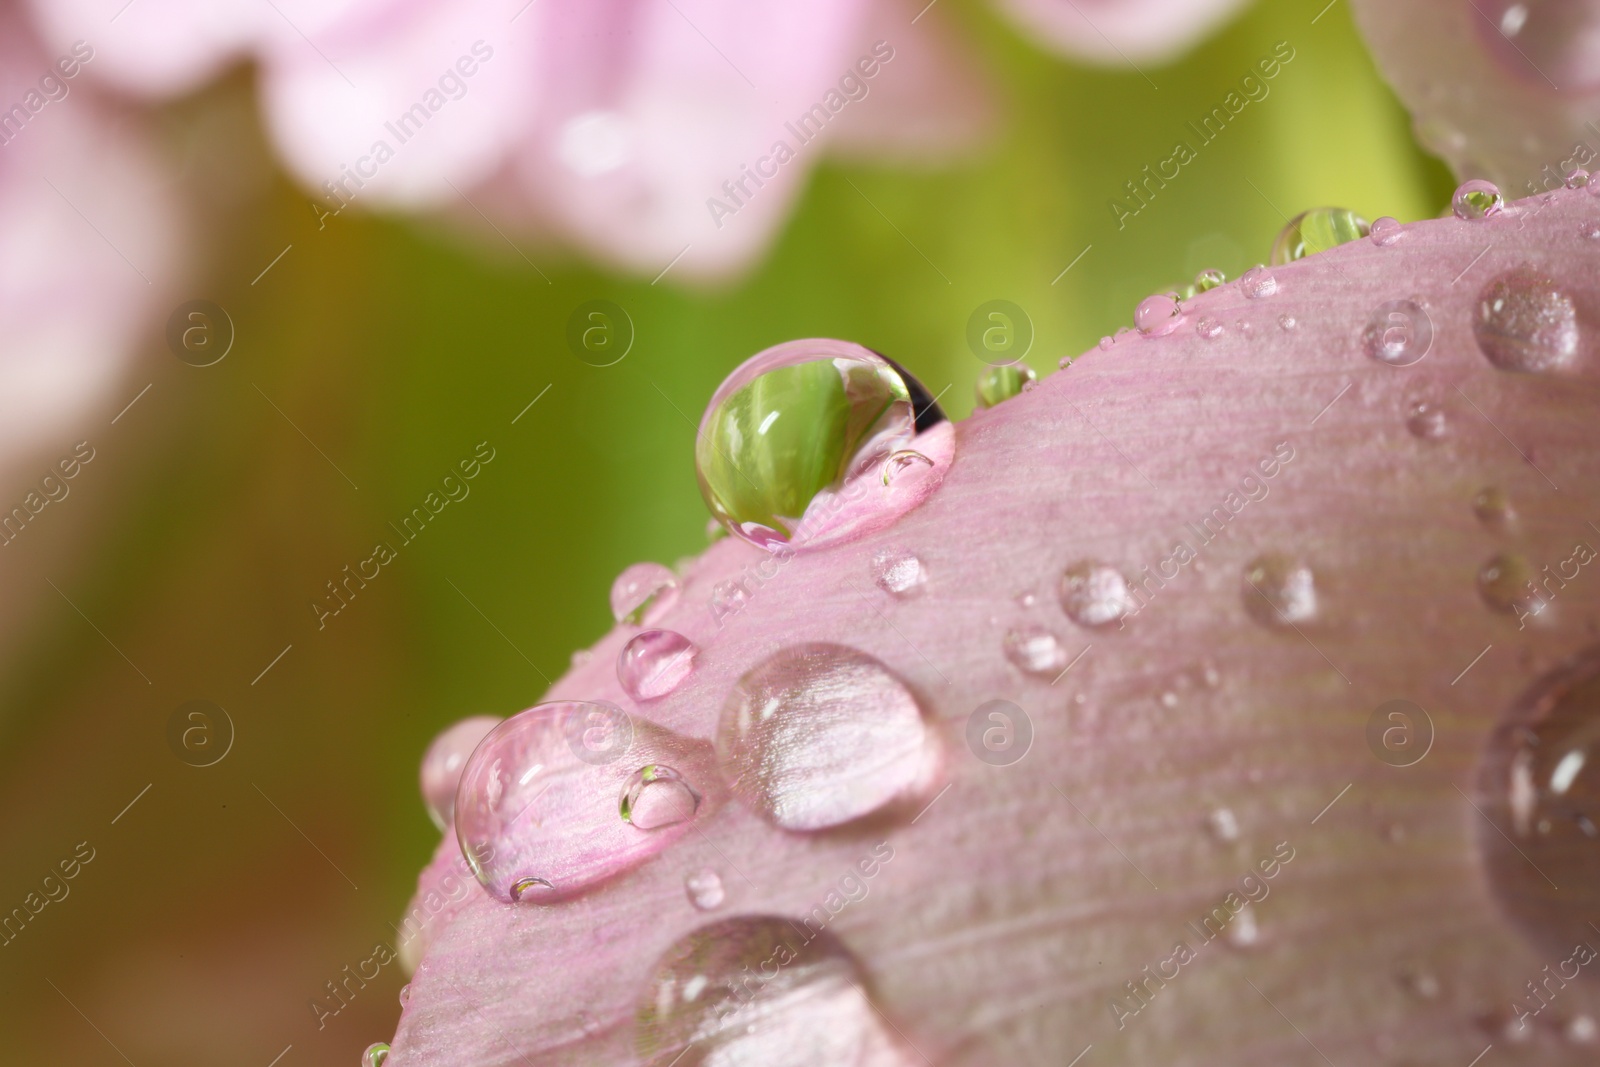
(905, 465)
(1223, 824)
(1246, 330)
(1257, 282)
(1477, 199)
(1526, 323)
(643, 593)
(1399, 333)
(1279, 590)
(1590, 231)
(1243, 931)
(759, 989)
(1034, 650)
(1505, 583)
(1316, 231)
(405, 994)
(1208, 279)
(1576, 178)
(1427, 421)
(1094, 594)
(657, 796)
(1493, 509)
(375, 1054)
(1157, 316)
(1287, 322)
(581, 657)
(655, 663)
(791, 447)
(537, 804)
(898, 573)
(1386, 230)
(1581, 1030)
(443, 762)
(1540, 790)
(1208, 328)
(704, 889)
(1106, 343)
(819, 734)
(1421, 984)
(1169, 699)
(1551, 46)
(1003, 382)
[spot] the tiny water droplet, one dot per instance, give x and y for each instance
(1094, 594)
(1427, 421)
(1208, 328)
(1399, 333)
(1386, 230)
(1581, 1030)
(1243, 931)
(791, 439)
(1106, 342)
(1316, 231)
(1003, 382)
(1034, 650)
(1421, 984)
(1504, 583)
(1157, 316)
(1169, 699)
(1589, 230)
(1526, 323)
(1209, 279)
(905, 465)
(1576, 178)
(444, 761)
(756, 990)
(537, 801)
(581, 656)
(1279, 590)
(375, 1054)
(1540, 790)
(819, 734)
(1027, 599)
(1257, 282)
(1223, 824)
(643, 593)
(1477, 199)
(655, 663)
(1287, 322)
(704, 889)
(405, 994)
(1493, 509)
(898, 572)
(1246, 330)
(657, 796)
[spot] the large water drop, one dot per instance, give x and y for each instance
(443, 762)
(1525, 322)
(655, 663)
(1477, 199)
(1316, 231)
(820, 734)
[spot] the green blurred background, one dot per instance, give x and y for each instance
(223, 900)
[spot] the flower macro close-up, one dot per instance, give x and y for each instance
(872, 533)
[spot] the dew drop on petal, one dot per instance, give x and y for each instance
(1003, 382)
(1590, 231)
(1581, 1030)
(1540, 789)
(1209, 328)
(1094, 594)
(898, 573)
(1208, 279)
(1386, 230)
(445, 759)
(1316, 231)
(1526, 323)
(1157, 316)
(1427, 421)
(1576, 178)
(1399, 333)
(655, 663)
(1034, 650)
(755, 990)
(656, 796)
(1476, 199)
(375, 1055)
(1223, 824)
(536, 812)
(643, 593)
(1243, 932)
(817, 735)
(1505, 583)
(1106, 342)
(792, 446)
(904, 465)
(1287, 322)
(704, 889)
(1257, 282)
(1279, 590)
(405, 994)
(1493, 509)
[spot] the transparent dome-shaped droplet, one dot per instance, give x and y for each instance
(536, 812)
(1209, 279)
(1398, 332)
(1589, 231)
(1279, 590)
(405, 994)
(444, 761)
(657, 796)
(1540, 788)
(1493, 509)
(1525, 322)
(655, 663)
(1257, 282)
(1002, 382)
(898, 572)
(1034, 650)
(1243, 932)
(1209, 328)
(704, 889)
(1427, 421)
(1386, 230)
(1287, 322)
(817, 735)
(1550, 45)
(1477, 199)
(1157, 316)
(1094, 593)
(1223, 824)
(643, 593)
(1505, 583)
(375, 1055)
(760, 990)
(1315, 231)
(793, 447)
(905, 466)
(1576, 178)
